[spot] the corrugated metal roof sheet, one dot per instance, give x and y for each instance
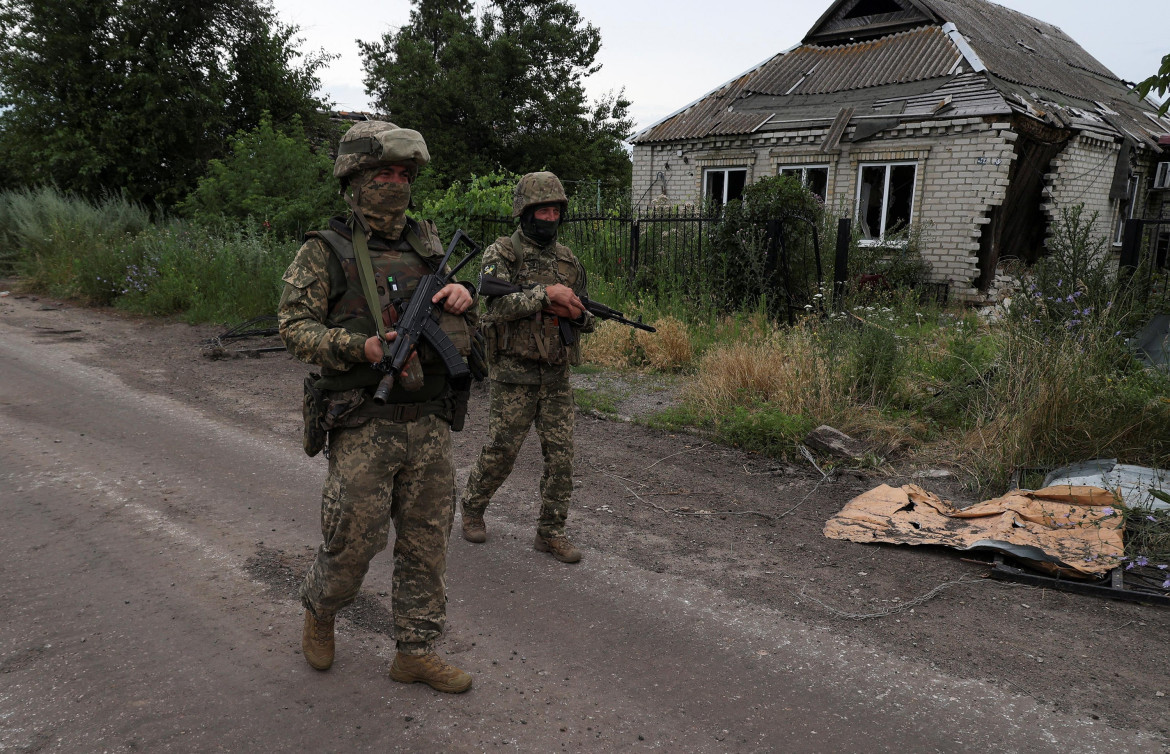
(710, 115)
(915, 55)
(1032, 67)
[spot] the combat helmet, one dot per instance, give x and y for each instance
(538, 188)
(378, 143)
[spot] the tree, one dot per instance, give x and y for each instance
(273, 178)
(135, 96)
(1160, 83)
(506, 90)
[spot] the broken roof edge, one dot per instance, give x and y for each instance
(964, 47)
(635, 138)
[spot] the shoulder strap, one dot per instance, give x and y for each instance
(517, 244)
(337, 243)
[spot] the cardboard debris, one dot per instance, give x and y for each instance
(1069, 530)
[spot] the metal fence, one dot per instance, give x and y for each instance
(1145, 259)
(679, 254)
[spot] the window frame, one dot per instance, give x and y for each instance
(707, 171)
(1121, 215)
(804, 167)
(887, 164)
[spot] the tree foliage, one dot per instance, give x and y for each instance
(270, 177)
(505, 90)
(137, 95)
(1160, 83)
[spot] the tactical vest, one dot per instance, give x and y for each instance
(398, 268)
(536, 337)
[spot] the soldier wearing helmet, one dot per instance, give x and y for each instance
(388, 463)
(529, 362)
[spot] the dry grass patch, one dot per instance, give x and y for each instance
(668, 350)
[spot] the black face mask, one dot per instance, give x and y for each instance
(543, 232)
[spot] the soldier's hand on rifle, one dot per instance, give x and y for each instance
(563, 302)
(455, 297)
(374, 350)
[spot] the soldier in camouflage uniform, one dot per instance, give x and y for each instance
(388, 463)
(529, 363)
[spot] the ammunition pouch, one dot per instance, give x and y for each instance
(460, 394)
(315, 436)
(325, 410)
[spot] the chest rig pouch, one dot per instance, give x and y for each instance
(536, 337)
(398, 268)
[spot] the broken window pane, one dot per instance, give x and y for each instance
(813, 177)
(870, 200)
(817, 181)
(721, 185)
(901, 198)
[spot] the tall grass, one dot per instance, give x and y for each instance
(1052, 383)
(110, 253)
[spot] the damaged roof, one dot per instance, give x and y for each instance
(914, 60)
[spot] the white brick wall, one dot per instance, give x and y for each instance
(962, 172)
(1083, 174)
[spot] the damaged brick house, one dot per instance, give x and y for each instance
(976, 120)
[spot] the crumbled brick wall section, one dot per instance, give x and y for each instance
(963, 169)
(1083, 174)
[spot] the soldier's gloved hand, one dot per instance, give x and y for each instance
(563, 302)
(373, 348)
(412, 374)
(455, 297)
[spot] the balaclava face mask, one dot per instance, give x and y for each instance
(543, 232)
(383, 204)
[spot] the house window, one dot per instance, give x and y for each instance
(1126, 206)
(721, 185)
(815, 178)
(1162, 176)
(885, 198)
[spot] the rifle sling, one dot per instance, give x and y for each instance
(366, 275)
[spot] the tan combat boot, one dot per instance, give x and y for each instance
(431, 670)
(559, 547)
(317, 641)
(474, 529)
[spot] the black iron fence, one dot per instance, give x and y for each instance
(1145, 259)
(684, 254)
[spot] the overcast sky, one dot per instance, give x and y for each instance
(668, 54)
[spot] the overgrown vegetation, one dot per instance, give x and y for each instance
(1048, 382)
(111, 253)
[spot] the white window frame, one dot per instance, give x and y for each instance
(1131, 190)
(861, 166)
(1162, 176)
(725, 170)
(804, 168)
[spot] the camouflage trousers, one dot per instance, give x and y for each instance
(379, 472)
(514, 408)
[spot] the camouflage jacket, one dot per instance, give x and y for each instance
(507, 316)
(315, 283)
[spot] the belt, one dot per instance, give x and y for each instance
(401, 412)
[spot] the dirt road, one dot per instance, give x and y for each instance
(159, 514)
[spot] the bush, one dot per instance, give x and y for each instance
(271, 179)
(741, 273)
(463, 205)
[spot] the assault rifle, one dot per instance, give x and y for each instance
(420, 322)
(490, 285)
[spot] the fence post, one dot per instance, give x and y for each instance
(635, 242)
(841, 264)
